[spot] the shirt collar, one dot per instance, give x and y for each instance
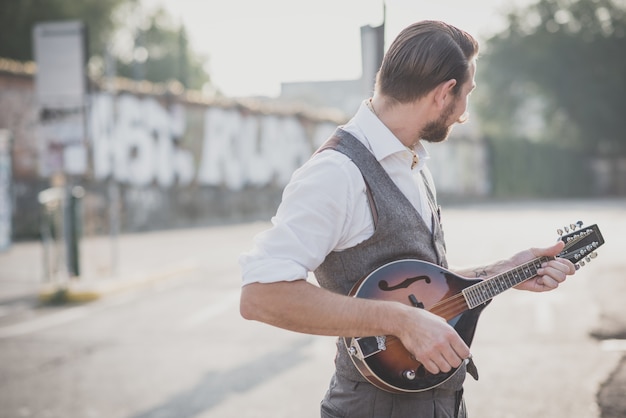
(380, 140)
(422, 153)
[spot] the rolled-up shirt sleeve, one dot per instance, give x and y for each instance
(311, 221)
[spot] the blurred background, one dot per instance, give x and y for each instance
(120, 117)
(183, 113)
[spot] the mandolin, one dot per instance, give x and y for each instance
(384, 361)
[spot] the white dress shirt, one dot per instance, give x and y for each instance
(325, 206)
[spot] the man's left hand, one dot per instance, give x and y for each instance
(551, 274)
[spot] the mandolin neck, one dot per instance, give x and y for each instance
(486, 290)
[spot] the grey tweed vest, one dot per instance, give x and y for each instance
(399, 233)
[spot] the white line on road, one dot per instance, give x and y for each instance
(44, 322)
(543, 308)
(227, 301)
(613, 345)
(63, 317)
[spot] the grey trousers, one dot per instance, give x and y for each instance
(348, 399)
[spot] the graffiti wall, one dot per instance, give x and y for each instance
(162, 160)
(139, 141)
(158, 159)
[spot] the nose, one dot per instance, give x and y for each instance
(463, 118)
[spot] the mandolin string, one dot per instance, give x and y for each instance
(526, 266)
(451, 311)
(573, 240)
(449, 308)
(521, 267)
(458, 304)
(459, 297)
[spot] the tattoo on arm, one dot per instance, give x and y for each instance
(480, 272)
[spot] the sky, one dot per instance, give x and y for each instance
(254, 45)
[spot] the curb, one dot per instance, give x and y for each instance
(80, 291)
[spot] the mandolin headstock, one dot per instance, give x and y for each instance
(581, 243)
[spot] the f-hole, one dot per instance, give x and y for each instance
(384, 285)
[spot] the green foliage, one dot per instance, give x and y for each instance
(569, 59)
(169, 55)
(521, 168)
(17, 18)
(166, 54)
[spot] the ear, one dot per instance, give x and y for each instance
(443, 93)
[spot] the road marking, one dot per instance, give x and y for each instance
(613, 345)
(227, 301)
(543, 307)
(43, 322)
(63, 317)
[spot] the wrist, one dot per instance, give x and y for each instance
(402, 318)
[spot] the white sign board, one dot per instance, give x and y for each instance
(61, 89)
(59, 50)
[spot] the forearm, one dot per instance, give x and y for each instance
(303, 307)
(549, 275)
(484, 272)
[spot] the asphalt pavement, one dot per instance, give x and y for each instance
(113, 265)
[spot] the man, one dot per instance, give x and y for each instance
(364, 199)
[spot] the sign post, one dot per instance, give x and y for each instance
(6, 198)
(61, 92)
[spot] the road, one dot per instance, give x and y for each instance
(179, 348)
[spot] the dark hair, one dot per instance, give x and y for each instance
(422, 56)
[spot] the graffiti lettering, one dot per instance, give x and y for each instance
(134, 140)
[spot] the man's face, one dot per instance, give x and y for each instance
(439, 129)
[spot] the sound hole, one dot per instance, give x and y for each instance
(384, 285)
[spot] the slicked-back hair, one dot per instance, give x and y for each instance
(422, 56)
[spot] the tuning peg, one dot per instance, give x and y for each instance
(576, 266)
(582, 263)
(560, 232)
(580, 224)
(593, 254)
(566, 228)
(573, 226)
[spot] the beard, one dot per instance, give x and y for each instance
(438, 130)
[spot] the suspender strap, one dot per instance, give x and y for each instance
(436, 209)
(332, 144)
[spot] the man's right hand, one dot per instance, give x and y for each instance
(432, 341)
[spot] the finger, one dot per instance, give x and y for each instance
(548, 282)
(551, 251)
(431, 366)
(563, 265)
(442, 363)
(460, 348)
(454, 353)
(557, 275)
(452, 358)
(571, 268)
(557, 272)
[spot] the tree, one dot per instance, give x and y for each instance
(17, 19)
(165, 47)
(160, 52)
(563, 61)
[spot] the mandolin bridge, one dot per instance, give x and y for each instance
(364, 347)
